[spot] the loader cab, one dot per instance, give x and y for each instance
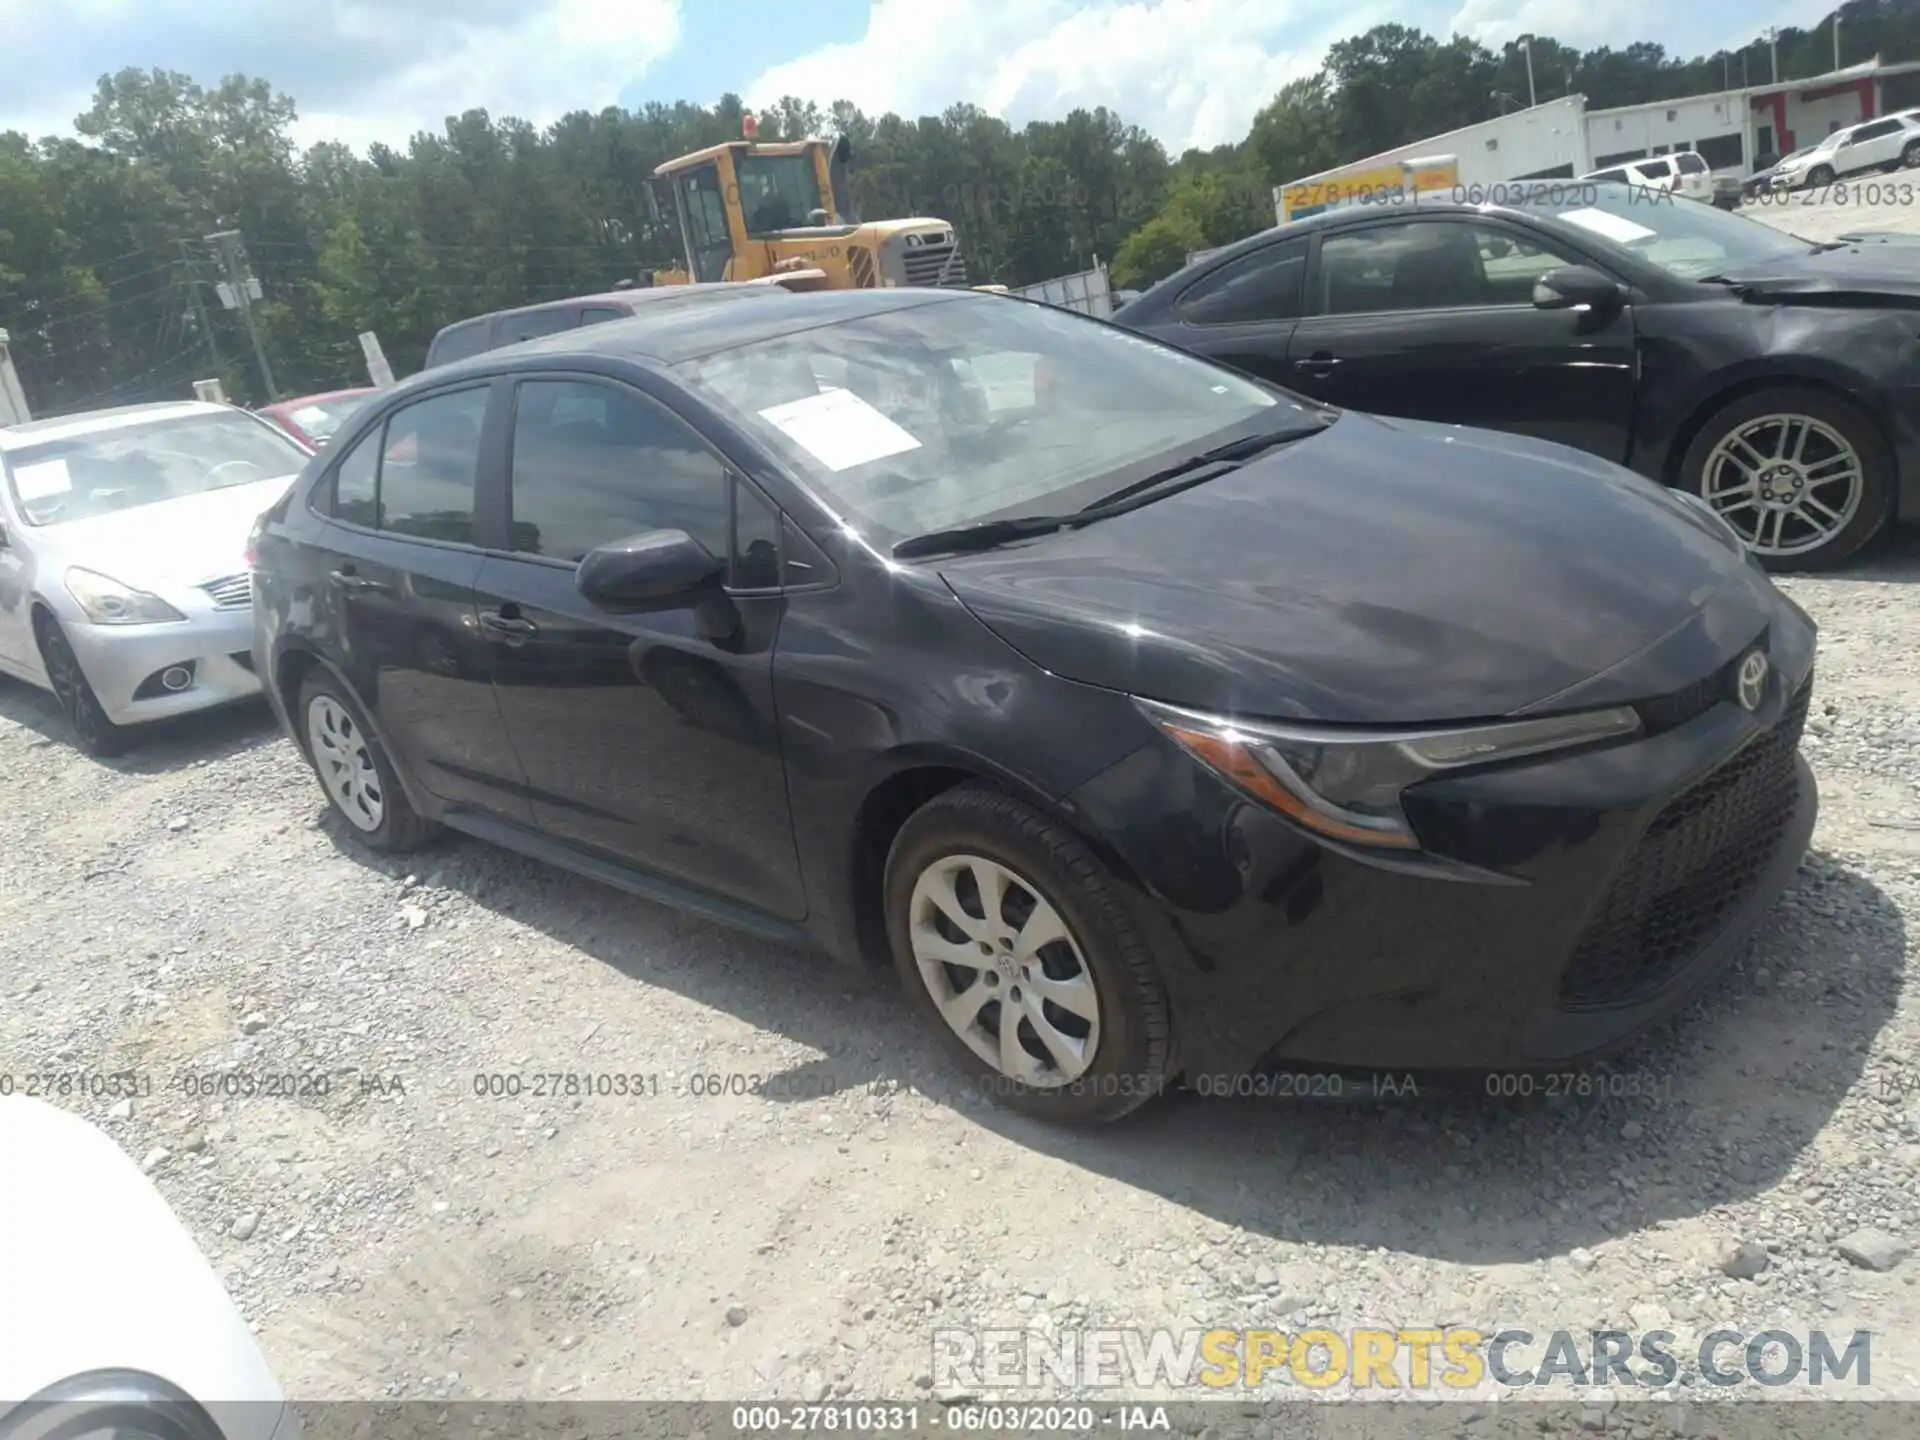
(728, 202)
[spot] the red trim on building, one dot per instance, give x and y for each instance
(1866, 98)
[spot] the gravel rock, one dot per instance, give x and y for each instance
(1740, 1259)
(1872, 1249)
(245, 1226)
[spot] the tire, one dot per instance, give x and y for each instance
(1910, 156)
(1819, 176)
(1720, 476)
(1099, 955)
(93, 732)
(354, 772)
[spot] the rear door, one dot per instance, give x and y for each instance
(1433, 319)
(652, 737)
(397, 581)
(1243, 313)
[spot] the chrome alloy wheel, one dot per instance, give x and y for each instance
(342, 756)
(1787, 483)
(1005, 971)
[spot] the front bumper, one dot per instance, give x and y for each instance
(1578, 899)
(122, 662)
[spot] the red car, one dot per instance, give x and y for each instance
(312, 419)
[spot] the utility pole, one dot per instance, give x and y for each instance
(1526, 47)
(238, 292)
(200, 308)
(13, 399)
(1773, 50)
(1836, 37)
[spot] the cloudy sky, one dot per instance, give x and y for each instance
(1190, 71)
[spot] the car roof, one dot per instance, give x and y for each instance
(295, 402)
(90, 422)
(622, 298)
(750, 314)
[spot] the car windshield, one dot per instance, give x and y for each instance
(320, 418)
(77, 477)
(955, 411)
(1686, 239)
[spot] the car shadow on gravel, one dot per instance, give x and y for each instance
(1730, 1094)
(161, 745)
(1893, 557)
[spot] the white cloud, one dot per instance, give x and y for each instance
(1593, 23)
(360, 70)
(1191, 72)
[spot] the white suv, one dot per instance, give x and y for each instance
(1888, 143)
(1684, 172)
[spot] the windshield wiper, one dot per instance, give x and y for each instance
(1195, 470)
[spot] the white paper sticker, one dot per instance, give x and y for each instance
(307, 414)
(1604, 222)
(42, 481)
(839, 429)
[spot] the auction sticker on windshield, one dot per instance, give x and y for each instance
(839, 429)
(42, 481)
(1602, 222)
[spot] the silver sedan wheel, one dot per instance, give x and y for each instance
(1787, 483)
(345, 762)
(1005, 970)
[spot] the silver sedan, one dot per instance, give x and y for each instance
(124, 586)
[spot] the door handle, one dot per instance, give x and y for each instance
(1318, 363)
(345, 579)
(511, 627)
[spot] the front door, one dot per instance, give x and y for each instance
(1432, 319)
(702, 209)
(397, 581)
(652, 737)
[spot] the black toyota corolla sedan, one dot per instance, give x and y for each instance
(1776, 378)
(1154, 722)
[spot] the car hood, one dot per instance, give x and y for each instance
(1875, 267)
(1384, 572)
(182, 541)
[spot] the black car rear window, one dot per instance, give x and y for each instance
(458, 342)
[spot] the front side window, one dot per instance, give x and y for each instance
(778, 192)
(80, 476)
(1265, 285)
(951, 411)
(1687, 240)
(704, 213)
(1429, 265)
(594, 463)
(429, 458)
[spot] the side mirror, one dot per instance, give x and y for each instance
(1577, 287)
(654, 570)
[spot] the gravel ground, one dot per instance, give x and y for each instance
(191, 910)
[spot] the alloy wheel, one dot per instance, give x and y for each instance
(1005, 971)
(69, 685)
(1787, 483)
(344, 757)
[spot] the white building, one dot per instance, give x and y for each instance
(1733, 130)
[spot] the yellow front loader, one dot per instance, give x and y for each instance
(783, 211)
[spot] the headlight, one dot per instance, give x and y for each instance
(108, 602)
(1347, 784)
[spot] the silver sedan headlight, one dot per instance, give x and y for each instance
(1346, 784)
(109, 602)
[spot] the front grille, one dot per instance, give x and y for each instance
(1697, 862)
(235, 592)
(860, 262)
(936, 265)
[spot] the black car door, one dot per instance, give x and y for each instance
(402, 555)
(648, 737)
(1243, 312)
(1432, 318)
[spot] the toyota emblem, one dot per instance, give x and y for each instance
(1750, 687)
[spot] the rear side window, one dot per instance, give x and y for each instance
(458, 342)
(1265, 285)
(1691, 164)
(595, 314)
(429, 458)
(356, 482)
(1656, 169)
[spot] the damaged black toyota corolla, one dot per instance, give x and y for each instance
(1152, 721)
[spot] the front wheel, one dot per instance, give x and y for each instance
(1800, 473)
(1016, 944)
(92, 730)
(1910, 157)
(1819, 176)
(354, 769)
